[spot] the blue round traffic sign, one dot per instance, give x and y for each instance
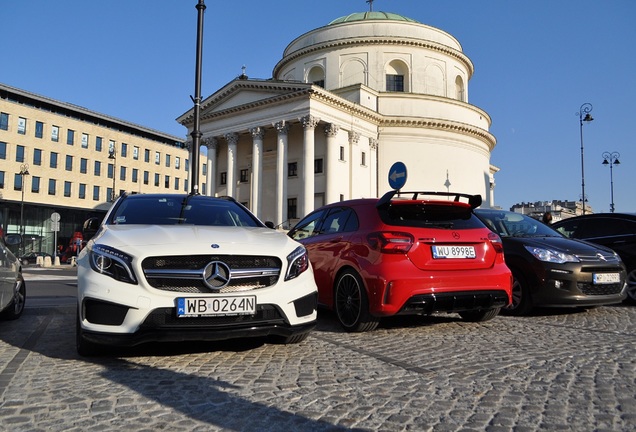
(397, 175)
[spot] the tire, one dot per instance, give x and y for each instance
(84, 347)
(521, 297)
(16, 307)
(631, 287)
(479, 315)
(352, 304)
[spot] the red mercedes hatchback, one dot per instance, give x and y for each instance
(408, 253)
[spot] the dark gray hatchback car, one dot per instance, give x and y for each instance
(616, 231)
(551, 270)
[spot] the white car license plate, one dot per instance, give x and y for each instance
(606, 278)
(442, 251)
(215, 306)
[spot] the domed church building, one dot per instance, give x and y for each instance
(346, 102)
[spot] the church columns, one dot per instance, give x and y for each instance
(232, 141)
(331, 157)
(373, 166)
(257, 169)
(210, 144)
(309, 123)
(281, 171)
(354, 137)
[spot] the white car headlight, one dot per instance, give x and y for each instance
(549, 255)
(297, 262)
(112, 262)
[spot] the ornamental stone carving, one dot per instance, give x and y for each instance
(309, 121)
(331, 130)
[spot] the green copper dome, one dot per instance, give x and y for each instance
(365, 16)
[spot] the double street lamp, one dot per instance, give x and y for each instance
(584, 116)
(611, 159)
(24, 171)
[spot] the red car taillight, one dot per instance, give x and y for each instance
(496, 242)
(390, 242)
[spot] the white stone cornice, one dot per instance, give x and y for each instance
(380, 40)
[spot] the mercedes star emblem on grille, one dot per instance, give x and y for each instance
(216, 275)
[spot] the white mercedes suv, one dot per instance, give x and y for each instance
(173, 267)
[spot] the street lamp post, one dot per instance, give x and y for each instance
(611, 159)
(24, 171)
(584, 116)
(113, 157)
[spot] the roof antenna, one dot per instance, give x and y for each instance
(370, 5)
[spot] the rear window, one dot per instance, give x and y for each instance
(426, 215)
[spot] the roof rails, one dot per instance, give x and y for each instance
(473, 200)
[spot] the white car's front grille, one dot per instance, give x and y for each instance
(211, 273)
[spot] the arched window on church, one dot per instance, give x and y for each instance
(460, 91)
(396, 73)
(316, 76)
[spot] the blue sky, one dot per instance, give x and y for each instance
(535, 62)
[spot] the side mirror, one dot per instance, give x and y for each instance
(90, 227)
(13, 239)
(270, 224)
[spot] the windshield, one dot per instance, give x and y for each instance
(181, 209)
(510, 224)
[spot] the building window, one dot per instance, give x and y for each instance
(55, 133)
(67, 188)
(83, 165)
(98, 144)
(135, 175)
(124, 150)
(146, 175)
(19, 153)
(292, 206)
(111, 171)
(147, 156)
(166, 182)
(342, 153)
(82, 191)
(70, 137)
(39, 129)
(52, 186)
(111, 147)
(3, 150)
(22, 125)
(17, 181)
(157, 158)
(395, 83)
(95, 193)
(35, 184)
(318, 166)
(223, 178)
(84, 140)
(109, 193)
(157, 179)
(53, 162)
(69, 163)
(4, 121)
(136, 153)
(122, 173)
(176, 183)
(185, 185)
(168, 160)
(37, 157)
(177, 162)
(292, 169)
(363, 159)
(243, 176)
(98, 168)
(203, 189)
(1, 179)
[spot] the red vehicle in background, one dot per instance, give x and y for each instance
(75, 245)
(405, 254)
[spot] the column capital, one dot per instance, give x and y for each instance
(210, 142)
(232, 138)
(331, 129)
(257, 132)
(282, 127)
(309, 121)
(373, 143)
(354, 137)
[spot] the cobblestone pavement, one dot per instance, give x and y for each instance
(558, 370)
